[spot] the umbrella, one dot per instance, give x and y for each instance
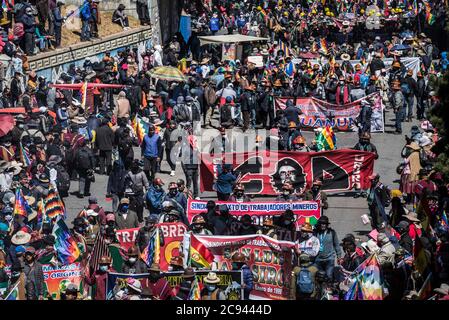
(6, 124)
(167, 73)
(400, 47)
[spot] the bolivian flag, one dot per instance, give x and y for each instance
(326, 140)
(200, 256)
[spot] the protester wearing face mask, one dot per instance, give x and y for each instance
(308, 243)
(286, 226)
(198, 226)
(239, 194)
(287, 194)
(146, 232)
(34, 283)
(175, 195)
(155, 196)
(133, 265)
(124, 217)
(316, 194)
(157, 284)
(329, 246)
(99, 278)
(246, 226)
(239, 263)
(268, 228)
(211, 291)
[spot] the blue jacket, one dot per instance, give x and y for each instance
(85, 12)
(214, 24)
(63, 117)
(152, 146)
(154, 199)
(248, 280)
(179, 198)
(225, 181)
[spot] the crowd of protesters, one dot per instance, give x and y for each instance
(58, 140)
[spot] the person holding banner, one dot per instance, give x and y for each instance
(133, 265)
(211, 291)
(34, 283)
(239, 263)
(239, 194)
(99, 278)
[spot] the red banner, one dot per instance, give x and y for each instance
(269, 260)
(305, 211)
(265, 172)
(127, 237)
(318, 113)
(173, 234)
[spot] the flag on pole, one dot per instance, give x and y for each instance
(21, 206)
(66, 248)
(41, 216)
(326, 139)
(24, 156)
(152, 252)
(140, 128)
(426, 289)
(83, 92)
(323, 45)
(368, 281)
(99, 250)
(430, 17)
(284, 47)
(53, 204)
(14, 293)
(199, 255)
(195, 292)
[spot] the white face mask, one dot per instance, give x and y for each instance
(132, 260)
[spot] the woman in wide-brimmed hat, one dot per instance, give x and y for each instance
(409, 175)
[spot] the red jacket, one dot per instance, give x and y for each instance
(99, 279)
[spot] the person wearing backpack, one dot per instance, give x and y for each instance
(409, 89)
(302, 282)
(104, 142)
(84, 164)
(181, 112)
(136, 184)
(329, 246)
(59, 176)
(85, 15)
(125, 147)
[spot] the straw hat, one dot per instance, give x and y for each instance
(30, 200)
(134, 284)
(79, 120)
(307, 227)
(211, 278)
(277, 83)
(21, 238)
(345, 57)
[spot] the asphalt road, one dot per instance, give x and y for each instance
(344, 211)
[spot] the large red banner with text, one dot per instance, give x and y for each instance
(304, 211)
(269, 260)
(173, 234)
(318, 113)
(265, 172)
